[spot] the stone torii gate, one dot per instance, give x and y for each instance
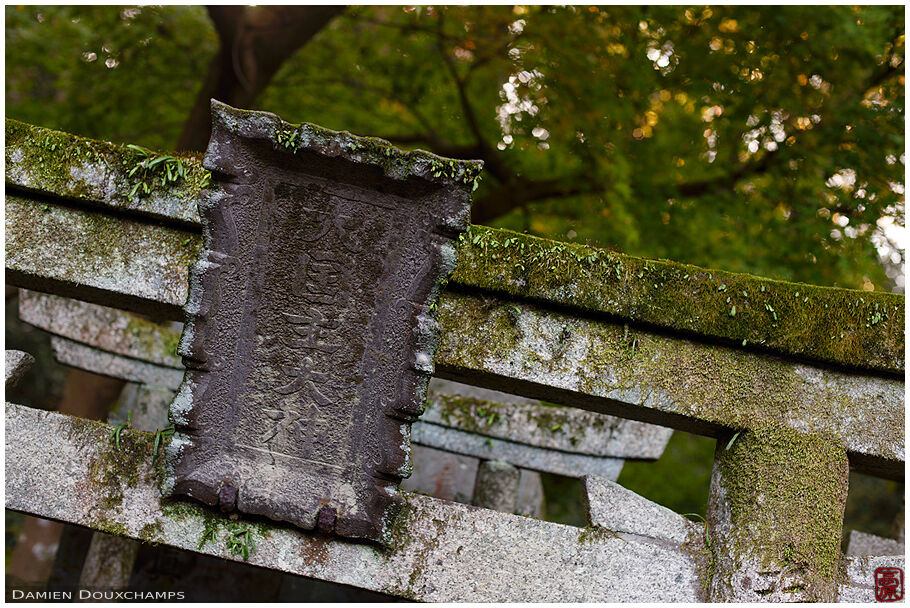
(798, 383)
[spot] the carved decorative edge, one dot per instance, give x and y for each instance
(455, 178)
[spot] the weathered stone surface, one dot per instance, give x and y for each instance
(557, 428)
(497, 486)
(17, 363)
(859, 577)
(452, 476)
(145, 405)
(99, 258)
(446, 388)
(441, 474)
(651, 377)
(45, 161)
(862, 543)
(520, 454)
(107, 364)
(530, 494)
(451, 404)
(842, 326)
(106, 328)
(775, 517)
(634, 374)
(613, 507)
(656, 292)
(66, 469)
(310, 327)
(109, 563)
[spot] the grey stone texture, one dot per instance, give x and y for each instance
(862, 543)
(66, 469)
(557, 428)
(551, 439)
(108, 364)
(17, 363)
(109, 329)
(520, 454)
(441, 474)
(115, 261)
(108, 563)
(613, 507)
(668, 380)
(497, 486)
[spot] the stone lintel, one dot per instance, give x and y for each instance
(844, 327)
(67, 469)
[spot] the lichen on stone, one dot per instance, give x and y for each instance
(785, 493)
(73, 167)
(842, 326)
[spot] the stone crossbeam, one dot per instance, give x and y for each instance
(67, 469)
(840, 326)
(581, 361)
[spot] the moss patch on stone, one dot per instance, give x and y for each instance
(710, 385)
(74, 167)
(154, 339)
(786, 493)
(843, 326)
(215, 526)
(118, 470)
(94, 243)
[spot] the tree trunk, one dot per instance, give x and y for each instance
(253, 44)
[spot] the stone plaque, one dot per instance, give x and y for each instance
(310, 324)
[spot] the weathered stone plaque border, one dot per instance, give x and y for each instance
(310, 326)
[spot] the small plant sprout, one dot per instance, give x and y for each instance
(167, 169)
(208, 535)
(240, 541)
(115, 434)
(160, 434)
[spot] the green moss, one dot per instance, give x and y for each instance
(79, 168)
(500, 335)
(95, 241)
(786, 493)
(593, 534)
(117, 470)
(722, 387)
(414, 538)
(215, 525)
(156, 339)
(111, 527)
(862, 329)
(701, 547)
(487, 418)
(150, 533)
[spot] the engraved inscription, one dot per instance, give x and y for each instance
(310, 332)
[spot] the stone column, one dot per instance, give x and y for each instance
(775, 517)
(497, 486)
(109, 563)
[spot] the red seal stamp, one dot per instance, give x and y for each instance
(889, 584)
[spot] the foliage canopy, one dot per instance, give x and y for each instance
(760, 139)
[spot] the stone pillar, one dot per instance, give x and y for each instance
(497, 486)
(109, 563)
(775, 517)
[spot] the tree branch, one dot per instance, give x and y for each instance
(253, 44)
